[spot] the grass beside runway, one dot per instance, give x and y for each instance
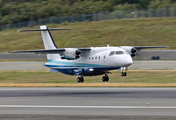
(133, 32)
(135, 78)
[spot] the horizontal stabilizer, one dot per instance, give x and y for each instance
(52, 29)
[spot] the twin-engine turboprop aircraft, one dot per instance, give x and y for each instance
(85, 61)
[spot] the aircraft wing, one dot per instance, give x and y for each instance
(84, 49)
(50, 51)
(148, 47)
(133, 49)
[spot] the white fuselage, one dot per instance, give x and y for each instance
(99, 58)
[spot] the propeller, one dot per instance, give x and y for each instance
(77, 52)
(134, 40)
(77, 42)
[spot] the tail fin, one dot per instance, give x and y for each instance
(48, 40)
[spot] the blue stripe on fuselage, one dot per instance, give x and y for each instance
(69, 67)
(71, 64)
(70, 71)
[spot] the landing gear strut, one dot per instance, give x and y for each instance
(105, 78)
(80, 79)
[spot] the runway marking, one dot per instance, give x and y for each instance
(104, 107)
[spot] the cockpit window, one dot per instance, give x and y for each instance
(112, 53)
(116, 53)
(125, 52)
(119, 52)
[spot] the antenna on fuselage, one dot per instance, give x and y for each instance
(107, 45)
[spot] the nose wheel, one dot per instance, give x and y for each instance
(123, 74)
(105, 78)
(80, 79)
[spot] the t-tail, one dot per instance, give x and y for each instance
(48, 41)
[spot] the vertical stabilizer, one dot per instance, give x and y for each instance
(48, 40)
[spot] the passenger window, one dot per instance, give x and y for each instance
(99, 57)
(92, 58)
(95, 57)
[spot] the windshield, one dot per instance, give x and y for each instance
(126, 52)
(116, 53)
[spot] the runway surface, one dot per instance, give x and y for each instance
(39, 65)
(88, 102)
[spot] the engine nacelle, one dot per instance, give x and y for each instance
(130, 50)
(71, 54)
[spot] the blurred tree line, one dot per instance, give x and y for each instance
(12, 11)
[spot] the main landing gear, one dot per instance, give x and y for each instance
(105, 78)
(80, 79)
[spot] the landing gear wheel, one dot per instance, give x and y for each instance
(123, 74)
(80, 79)
(105, 78)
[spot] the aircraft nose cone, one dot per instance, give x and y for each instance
(131, 60)
(128, 61)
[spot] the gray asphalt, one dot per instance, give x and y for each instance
(21, 56)
(22, 66)
(153, 64)
(39, 65)
(88, 102)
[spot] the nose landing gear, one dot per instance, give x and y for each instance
(123, 73)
